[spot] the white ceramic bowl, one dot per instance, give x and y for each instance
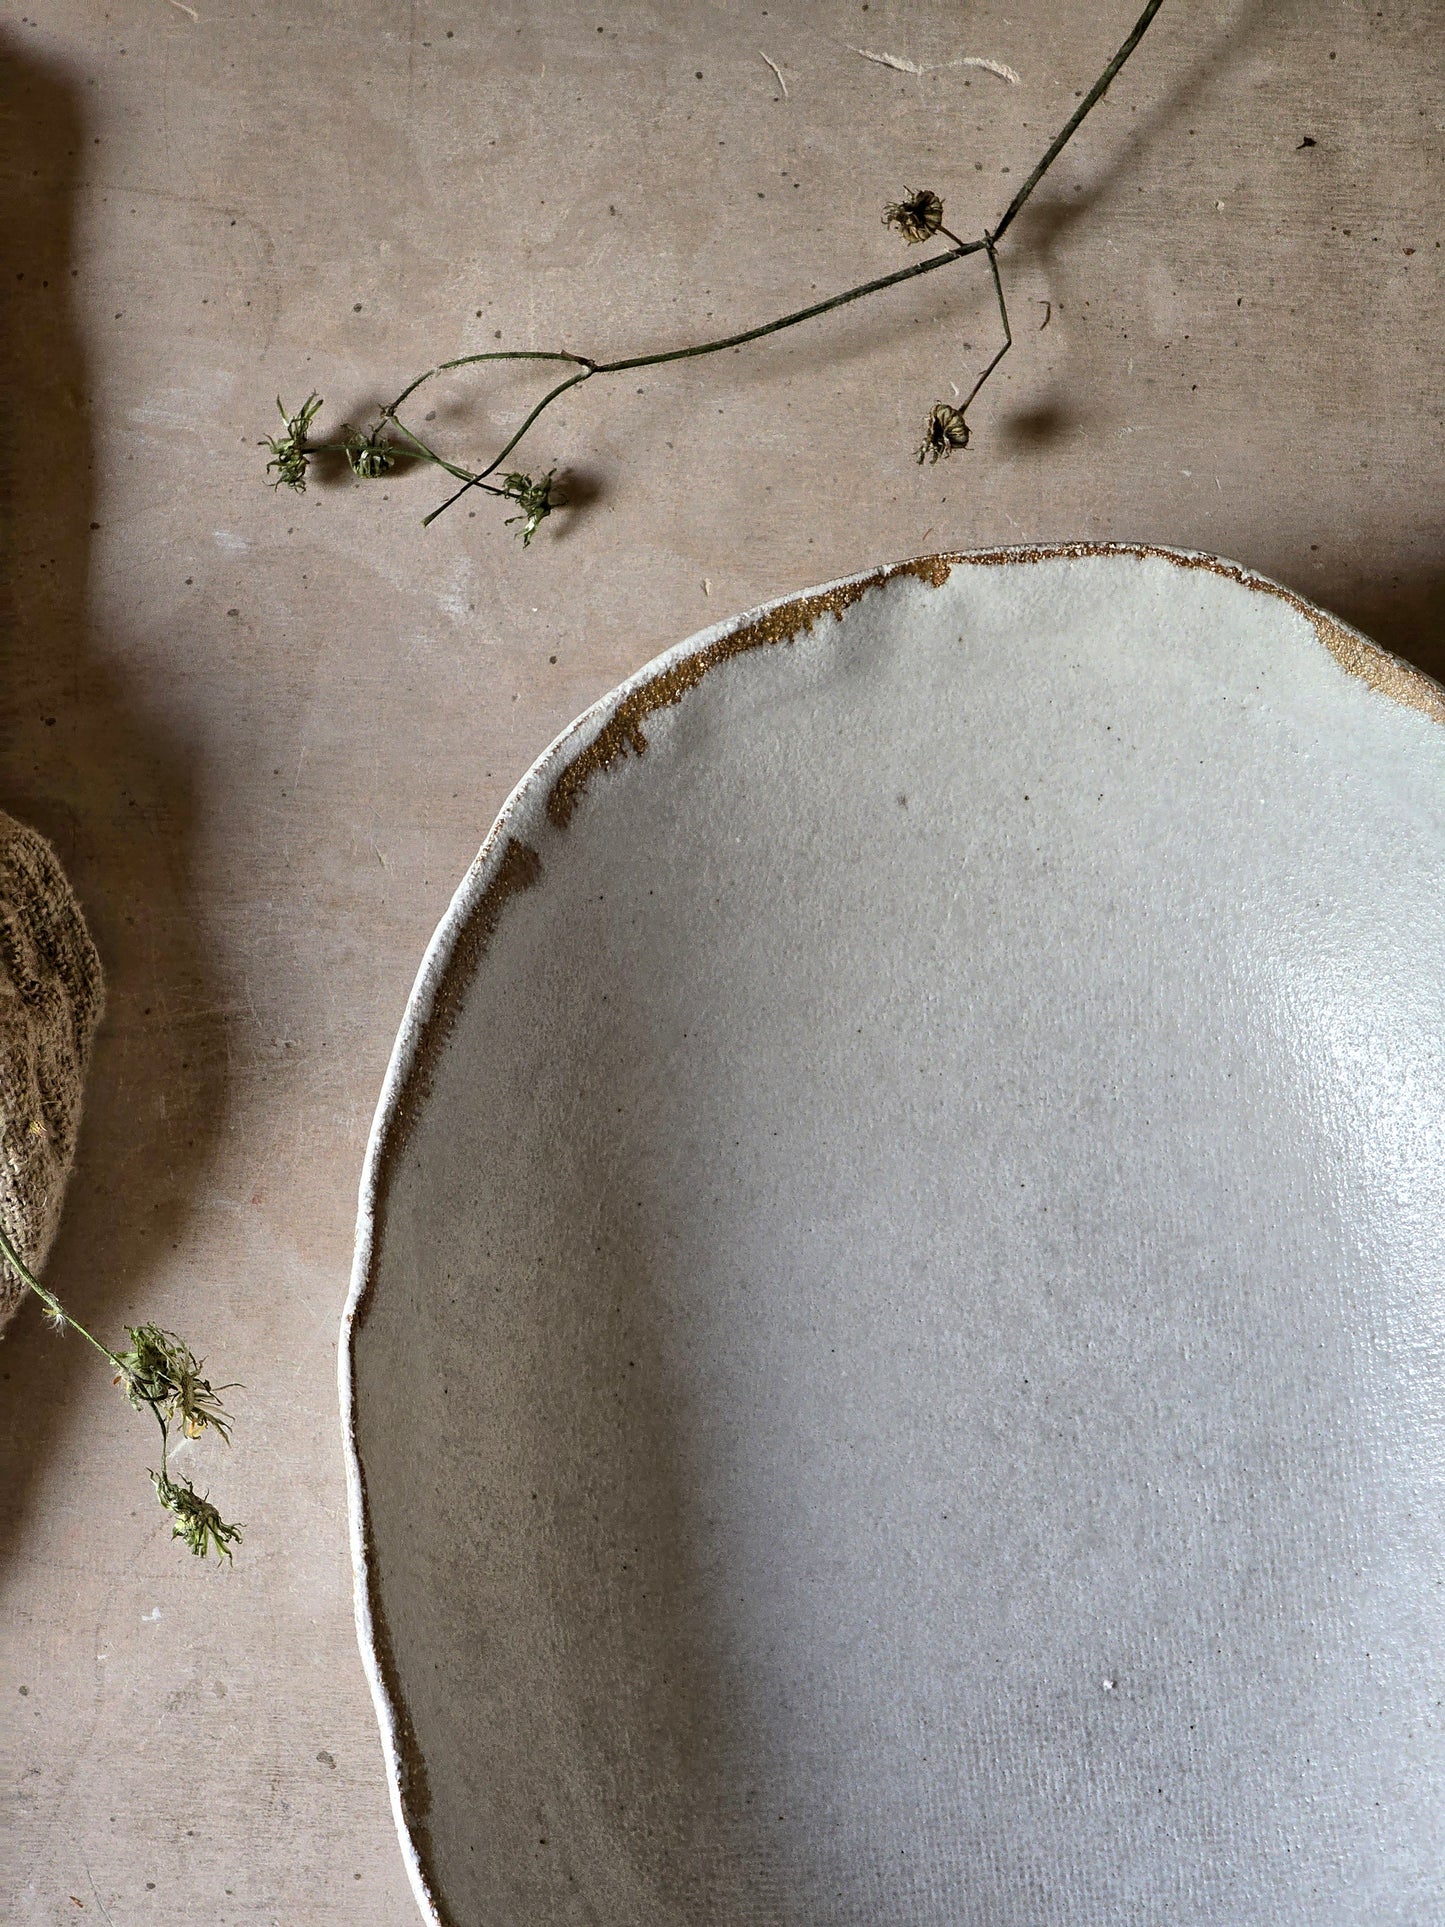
(894, 1369)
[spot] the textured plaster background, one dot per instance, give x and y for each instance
(267, 733)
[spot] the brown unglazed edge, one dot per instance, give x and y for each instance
(506, 867)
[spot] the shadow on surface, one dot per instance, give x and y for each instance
(577, 490)
(1405, 614)
(85, 763)
(1031, 429)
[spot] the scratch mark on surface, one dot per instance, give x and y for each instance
(777, 70)
(998, 67)
(180, 7)
(900, 64)
(1048, 316)
(105, 1914)
(895, 61)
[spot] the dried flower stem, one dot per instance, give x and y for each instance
(161, 1373)
(1008, 340)
(918, 217)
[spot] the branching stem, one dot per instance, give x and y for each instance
(586, 366)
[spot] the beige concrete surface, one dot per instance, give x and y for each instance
(267, 732)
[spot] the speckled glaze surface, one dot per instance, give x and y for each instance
(893, 1370)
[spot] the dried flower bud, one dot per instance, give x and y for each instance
(917, 217)
(197, 1521)
(289, 451)
(163, 1372)
(369, 455)
(533, 497)
(946, 430)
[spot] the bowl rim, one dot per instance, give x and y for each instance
(608, 730)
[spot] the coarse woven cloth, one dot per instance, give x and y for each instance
(51, 997)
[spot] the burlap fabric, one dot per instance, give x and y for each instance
(50, 1002)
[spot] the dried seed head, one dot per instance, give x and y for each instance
(917, 217)
(368, 454)
(289, 451)
(163, 1372)
(534, 497)
(196, 1520)
(945, 431)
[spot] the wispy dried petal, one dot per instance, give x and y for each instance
(289, 451)
(196, 1520)
(917, 217)
(533, 495)
(369, 455)
(945, 431)
(163, 1372)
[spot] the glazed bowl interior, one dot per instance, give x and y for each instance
(895, 1366)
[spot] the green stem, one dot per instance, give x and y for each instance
(791, 320)
(1008, 339)
(479, 480)
(27, 1277)
(495, 354)
(48, 1298)
(430, 454)
(1071, 126)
